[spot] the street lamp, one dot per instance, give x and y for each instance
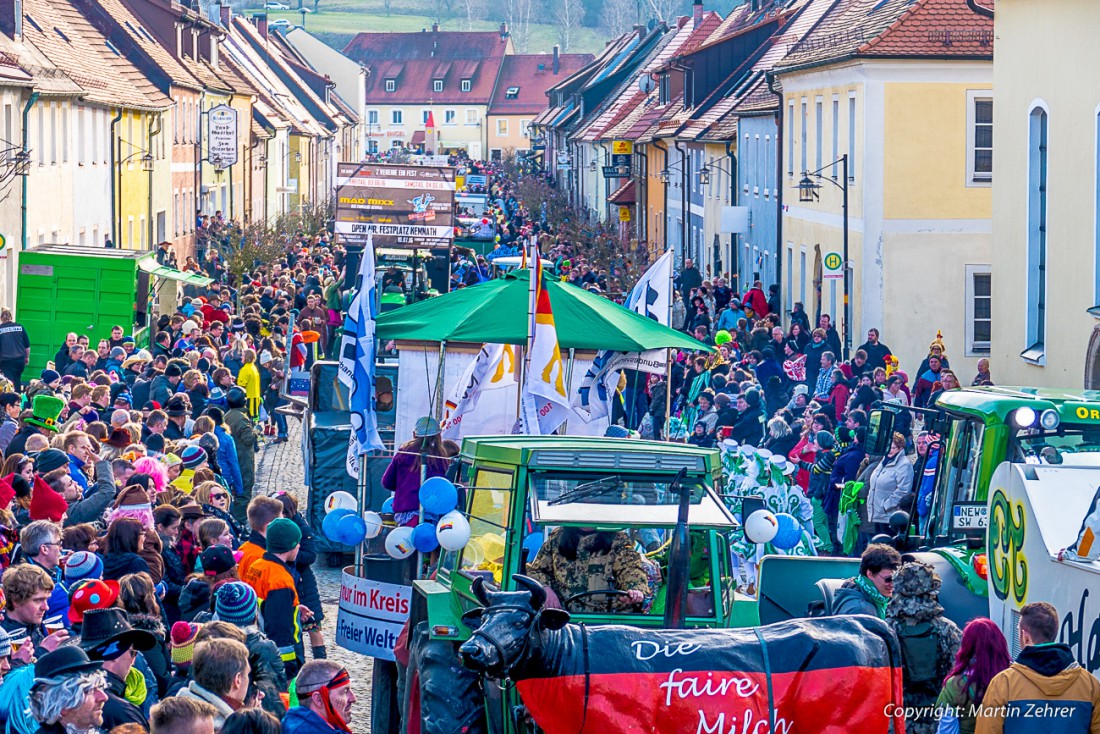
(704, 180)
(808, 192)
(592, 165)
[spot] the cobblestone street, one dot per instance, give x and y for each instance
(279, 467)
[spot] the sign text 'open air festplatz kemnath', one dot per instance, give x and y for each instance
(400, 206)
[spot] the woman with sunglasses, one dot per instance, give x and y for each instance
(216, 500)
(869, 592)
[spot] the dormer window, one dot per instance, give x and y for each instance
(391, 85)
(437, 85)
(511, 92)
(466, 84)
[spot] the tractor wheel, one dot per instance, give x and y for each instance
(442, 697)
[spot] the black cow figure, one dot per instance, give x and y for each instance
(829, 675)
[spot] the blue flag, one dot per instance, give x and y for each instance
(357, 364)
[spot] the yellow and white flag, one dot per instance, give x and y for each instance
(545, 399)
(494, 367)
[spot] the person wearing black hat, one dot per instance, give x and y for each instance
(163, 386)
(178, 415)
(108, 637)
(69, 692)
(749, 428)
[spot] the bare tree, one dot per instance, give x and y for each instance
(469, 5)
(662, 9)
(568, 15)
(617, 17)
(517, 14)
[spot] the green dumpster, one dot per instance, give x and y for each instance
(65, 288)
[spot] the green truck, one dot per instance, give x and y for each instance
(996, 447)
(517, 486)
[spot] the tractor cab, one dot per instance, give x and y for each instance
(519, 489)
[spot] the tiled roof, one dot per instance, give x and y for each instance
(416, 60)
(23, 64)
(624, 195)
(532, 74)
(61, 32)
(894, 28)
(136, 42)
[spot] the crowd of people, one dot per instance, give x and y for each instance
(146, 585)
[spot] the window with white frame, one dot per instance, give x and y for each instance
(448, 117)
(836, 132)
(790, 138)
(396, 117)
(372, 117)
(979, 309)
(819, 131)
(805, 132)
(471, 117)
(979, 138)
(437, 85)
(391, 85)
(1036, 295)
(502, 127)
(424, 114)
(525, 128)
(466, 85)
(851, 136)
(372, 146)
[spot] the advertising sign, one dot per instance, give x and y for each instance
(622, 147)
(371, 615)
(222, 136)
(399, 205)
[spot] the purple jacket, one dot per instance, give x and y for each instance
(402, 477)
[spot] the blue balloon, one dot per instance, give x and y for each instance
(330, 525)
(351, 529)
(790, 531)
(424, 537)
(532, 543)
(438, 495)
(387, 506)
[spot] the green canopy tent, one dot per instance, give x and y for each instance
(496, 312)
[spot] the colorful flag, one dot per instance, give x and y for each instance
(356, 368)
(651, 297)
(544, 402)
(494, 367)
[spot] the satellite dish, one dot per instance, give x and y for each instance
(646, 83)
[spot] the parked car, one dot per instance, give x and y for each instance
(280, 23)
(276, 6)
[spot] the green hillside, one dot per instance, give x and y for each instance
(338, 21)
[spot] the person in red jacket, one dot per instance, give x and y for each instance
(756, 300)
(212, 310)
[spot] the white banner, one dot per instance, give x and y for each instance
(371, 615)
(494, 367)
(394, 230)
(221, 136)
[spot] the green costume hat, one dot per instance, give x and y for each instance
(46, 410)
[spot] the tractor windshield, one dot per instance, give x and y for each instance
(1062, 445)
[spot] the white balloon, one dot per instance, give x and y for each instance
(761, 527)
(374, 523)
(340, 501)
(399, 542)
(453, 531)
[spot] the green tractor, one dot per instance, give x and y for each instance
(976, 431)
(518, 488)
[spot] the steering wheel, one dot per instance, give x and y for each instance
(609, 593)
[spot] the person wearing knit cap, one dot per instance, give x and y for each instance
(275, 581)
(192, 459)
(182, 646)
(235, 603)
(5, 654)
(82, 565)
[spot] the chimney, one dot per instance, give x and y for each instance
(225, 15)
(261, 23)
(503, 31)
(435, 28)
(557, 59)
(697, 13)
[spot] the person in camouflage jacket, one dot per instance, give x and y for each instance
(914, 605)
(575, 560)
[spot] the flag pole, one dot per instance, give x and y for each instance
(568, 387)
(668, 354)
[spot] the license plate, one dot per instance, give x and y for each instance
(970, 517)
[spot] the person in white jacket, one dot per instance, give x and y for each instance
(891, 482)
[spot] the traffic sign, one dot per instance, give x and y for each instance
(833, 261)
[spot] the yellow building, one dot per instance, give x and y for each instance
(904, 91)
(520, 96)
(1045, 298)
